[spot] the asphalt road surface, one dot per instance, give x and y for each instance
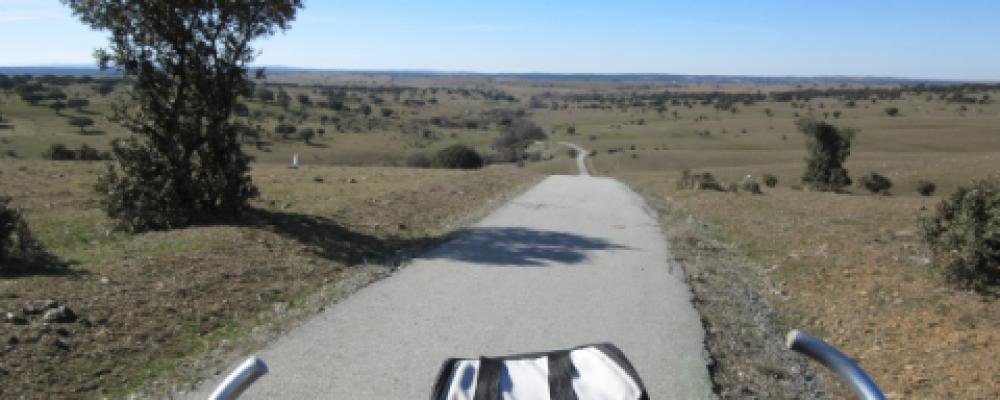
(574, 260)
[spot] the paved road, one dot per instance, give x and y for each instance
(581, 157)
(574, 260)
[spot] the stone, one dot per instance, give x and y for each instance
(32, 307)
(61, 314)
(15, 319)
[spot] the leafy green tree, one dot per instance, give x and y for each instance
(284, 100)
(265, 95)
(104, 89)
(285, 130)
(513, 140)
(189, 61)
(78, 103)
(81, 122)
(58, 106)
(307, 135)
(828, 148)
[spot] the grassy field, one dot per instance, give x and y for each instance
(848, 267)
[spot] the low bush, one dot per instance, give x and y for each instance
(876, 183)
(749, 185)
(926, 188)
(770, 180)
(458, 156)
(17, 246)
(964, 236)
(699, 181)
(60, 152)
(572, 153)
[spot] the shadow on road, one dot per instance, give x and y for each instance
(331, 240)
(519, 247)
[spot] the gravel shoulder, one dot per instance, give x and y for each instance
(744, 333)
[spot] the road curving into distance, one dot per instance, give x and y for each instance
(581, 157)
(574, 260)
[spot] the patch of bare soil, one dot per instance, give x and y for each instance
(744, 335)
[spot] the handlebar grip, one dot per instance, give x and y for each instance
(829, 356)
(240, 379)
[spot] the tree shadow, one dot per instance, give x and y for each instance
(519, 247)
(318, 145)
(93, 132)
(506, 246)
(6, 126)
(42, 263)
(331, 240)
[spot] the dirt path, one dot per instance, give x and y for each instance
(574, 260)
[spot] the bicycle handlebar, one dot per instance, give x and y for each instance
(240, 379)
(829, 356)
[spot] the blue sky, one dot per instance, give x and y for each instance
(957, 39)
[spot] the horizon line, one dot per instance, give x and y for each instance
(445, 72)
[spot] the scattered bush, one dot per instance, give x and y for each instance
(876, 183)
(829, 148)
(81, 122)
(964, 236)
(892, 111)
(418, 160)
(702, 181)
(770, 180)
(60, 152)
(926, 188)
(749, 185)
(513, 140)
(17, 246)
(457, 156)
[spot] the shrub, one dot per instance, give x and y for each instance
(828, 148)
(418, 160)
(876, 183)
(81, 122)
(572, 153)
(926, 188)
(964, 236)
(457, 156)
(699, 181)
(892, 111)
(17, 245)
(60, 152)
(513, 140)
(770, 180)
(749, 185)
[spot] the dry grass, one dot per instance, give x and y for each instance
(852, 270)
(849, 268)
(154, 305)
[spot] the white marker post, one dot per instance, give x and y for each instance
(295, 160)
